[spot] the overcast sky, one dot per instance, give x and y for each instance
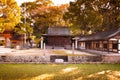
(56, 2)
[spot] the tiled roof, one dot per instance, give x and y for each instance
(101, 35)
(59, 31)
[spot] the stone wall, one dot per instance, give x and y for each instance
(115, 58)
(71, 59)
(84, 59)
(24, 59)
(49, 59)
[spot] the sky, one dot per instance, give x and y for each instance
(56, 2)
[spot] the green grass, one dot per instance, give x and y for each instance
(59, 71)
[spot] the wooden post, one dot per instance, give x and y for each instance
(108, 46)
(76, 43)
(5, 41)
(25, 39)
(44, 48)
(119, 46)
(73, 48)
(41, 42)
(44, 55)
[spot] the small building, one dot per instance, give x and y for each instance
(58, 36)
(9, 39)
(5, 38)
(103, 41)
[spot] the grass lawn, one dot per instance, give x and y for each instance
(59, 71)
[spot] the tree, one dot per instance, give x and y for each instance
(49, 16)
(29, 8)
(22, 28)
(110, 11)
(9, 14)
(93, 15)
(43, 14)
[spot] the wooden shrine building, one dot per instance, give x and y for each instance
(10, 39)
(58, 36)
(104, 41)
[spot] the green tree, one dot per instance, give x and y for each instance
(9, 14)
(110, 11)
(22, 28)
(93, 15)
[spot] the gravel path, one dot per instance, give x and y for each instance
(35, 52)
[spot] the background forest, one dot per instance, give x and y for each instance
(82, 16)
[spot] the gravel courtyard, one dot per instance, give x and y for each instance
(37, 55)
(36, 52)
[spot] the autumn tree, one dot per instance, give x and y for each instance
(9, 14)
(43, 14)
(25, 25)
(93, 15)
(28, 8)
(48, 16)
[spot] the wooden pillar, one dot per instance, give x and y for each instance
(76, 43)
(112, 45)
(108, 46)
(41, 42)
(25, 37)
(73, 48)
(102, 46)
(84, 45)
(92, 44)
(119, 46)
(5, 41)
(44, 47)
(73, 51)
